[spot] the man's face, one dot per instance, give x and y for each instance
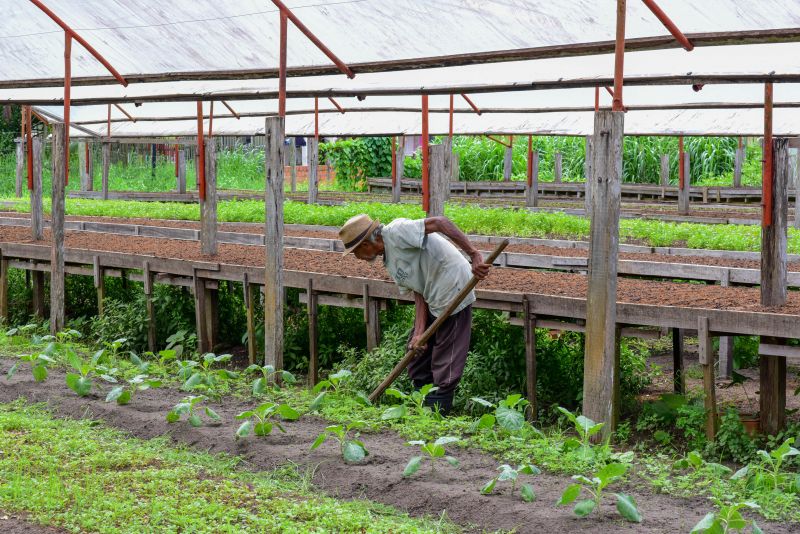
(367, 251)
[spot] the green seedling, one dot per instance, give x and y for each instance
(352, 449)
(509, 473)
(509, 413)
(81, 382)
(411, 402)
(269, 377)
(177, 341)
(260, 420)
(202, 375)
(434, 451)
(727, 519)
(38, 364)
(188, 407)
(768, 471)
(626, 506)
(123, 394)
(585, 427)
(334, 384)
(694, 461)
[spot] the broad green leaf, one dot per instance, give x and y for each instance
(509, 419)
(756, 529)
(319, 441)
(584, 508)
(288, 413)
(570, 494)
(626, 507)
(244, 429)
(193, 381)
(610, 472)
(363, 399)
(79, 384)
(288, 377)
(569, 414)
(736, 521)
(172, 417)
(482, 402)
(353, 451)
(452, 461)
(39, 373)
(260, 386)
(529, 469)
(317, 402)
(321, 386)
(13, 370)
(489, 487)
(394, 412)
(412, 466)
(415, 442)
(195, 420)
(741, 473)
(694, 458)
(125, 398)
(437, 451)
(487, 420)
(507, 474)
(444, 440)
(527, 493)
(263, 429)
(245, 415)
(115, 393)
(704, 524)
(212, 414)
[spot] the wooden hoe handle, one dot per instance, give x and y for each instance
(403, 363)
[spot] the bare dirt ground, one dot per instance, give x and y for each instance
(13, 523)
(454, 491)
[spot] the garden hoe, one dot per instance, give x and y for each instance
(412, 352)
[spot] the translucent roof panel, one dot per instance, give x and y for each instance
(151, 40)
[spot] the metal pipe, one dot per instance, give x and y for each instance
(681, 164)
(471, 103)
(233, 112)
(285, 12)
(767, 163)
(669, 25)
(282, 67)
(425, 157)
(336, 104)
(597, 98)
(67, 88)
(89, 48)
(619, 57)
(450, 134)
(201, 154)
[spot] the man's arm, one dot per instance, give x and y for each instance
(420, 319)
(445, 226)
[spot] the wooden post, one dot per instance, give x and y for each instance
(678, 375)
(106, 169)
(57, 228)
(529, 324)
(313, 335)
(664, 170)
(683, 194)
(273, 237)
(439, 179)
(399, 170)
(532, 192)
(37, 217)
(82, 163)
(706, 352)
(508, 161)
(372, 319)
(90, 170)
(201, 324)
(37, 293)
(557, 168)
(797, 191)
(99, 284)
(600, 379)
(293, 164)
(587, 171)
(738, 162)
(20, 153)
(774, 292)
(725, 342)
(151, 311)
(250, 293)
(211, 315)
(181, 171)
(208, 207)
(313, 169)
(3, 289)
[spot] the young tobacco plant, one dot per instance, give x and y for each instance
(81, 381)
(434, 451)
(352, 449)
(38, 364)
(768, 471)
(727, 519)
(269, 378)
(188, 407)
(413, 402)
(626, 506)
(509, 473)
(509, 413)
(696, 462)
(123, 394)
(260, 421)
(202, 375)
(334, 384)
(585, 427)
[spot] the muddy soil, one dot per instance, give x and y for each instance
(379, 478)
(14, 523)
(500, 279)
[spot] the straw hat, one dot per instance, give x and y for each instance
(355, 230)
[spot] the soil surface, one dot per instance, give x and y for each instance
(13, 523)
(379, 478)
(500, 279)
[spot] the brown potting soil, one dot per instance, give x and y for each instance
(447, 490)
(500, 279)
(16, 523)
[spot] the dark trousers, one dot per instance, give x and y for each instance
(442, 362)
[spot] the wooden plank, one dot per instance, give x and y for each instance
(99, 284)
(199, 315)
(20, 155)
(37, 293)
(293, 164)
(706, 353)
(600, 379)
(59, 158)
(400, 162)
(779, 350)
(587, 173)
(532, 192)
(797, 191)
(313, 335)
(529, 330)
(208, 206)
(37, 216)
(250, 295)
(274, 130)
(664, 170)
(3, 290)
(106, 170)
(313, 169)
(181, 178)
(772, 370)
(557, 168)
(738, 162)
(683, 194)
(439, 179)
(147, 278)
(725, 369)
(167, 233)
(508, 162)
(372, 320)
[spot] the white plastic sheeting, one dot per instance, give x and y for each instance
(154, 37)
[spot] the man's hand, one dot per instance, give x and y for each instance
(414, 340)
(479, 269)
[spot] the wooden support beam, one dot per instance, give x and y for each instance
(99, 284)
(773, 286)
(147, 278)
(208, 203)
(20, 154)
(293, 163)
(211, 315)
(400, 166)
(439, 179)
(725, 369)
(313, 334)
(181, 177)
(37, 294)
(57, 313)
(529, 326)
(738, 162)
(601, 381)
(797, 191)
(372, 319)
(313, 169)
(678, 369)
(508, 163)
(250, 294)
(37, 216)
(684, 191)
(557, 167)
(106, 169)
(587, 172)
(664, 170)
(532, 185)
(3, 290)
(274, 131)
(706, 353)
(201, 324)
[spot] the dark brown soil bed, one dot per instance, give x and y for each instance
(15, 523)
(500, 279)
(379, 478)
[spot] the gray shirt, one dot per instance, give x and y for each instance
(426, 263)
